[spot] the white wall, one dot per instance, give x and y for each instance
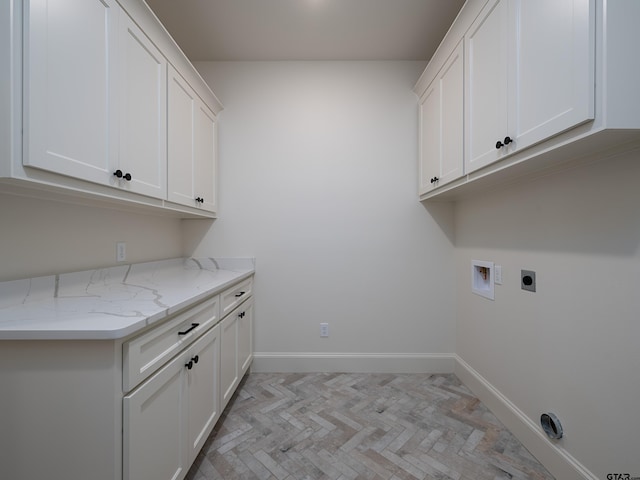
(318, 162)
(572, 347)
(40, 237)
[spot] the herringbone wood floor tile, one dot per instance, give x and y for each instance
(343, 426)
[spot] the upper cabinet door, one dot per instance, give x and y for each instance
(451, 79)
(70, 113)
(181, 127)
(553, 70)
(430, 137)
(442, 125)
(192, 147)
(487, 95)
(530, 75)
(143, 121)
(206, 137)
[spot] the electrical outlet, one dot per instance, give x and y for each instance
(324, 329)
(121, 251)
(528, 280)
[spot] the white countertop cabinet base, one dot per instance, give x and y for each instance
(138, 407)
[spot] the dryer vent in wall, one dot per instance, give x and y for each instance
(551, 425)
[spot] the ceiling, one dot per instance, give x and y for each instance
(264, 30)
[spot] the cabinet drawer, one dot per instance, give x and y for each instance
(234, 296)
(145, 354)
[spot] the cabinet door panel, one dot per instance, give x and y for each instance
(245, 337)
(181, 127)
(486, 85)
(204, 394)
(229, 375)
(143, 127)
(451, 80)
(153, 433)
(70, 105)
(205, 157)
(430, 137)
(553, 71)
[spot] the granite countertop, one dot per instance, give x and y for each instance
(114, 302)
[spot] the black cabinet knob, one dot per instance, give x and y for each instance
(195, 359)
(507, 140)
(434, 180)
(189, 365)
(199, 200)
(120, 174)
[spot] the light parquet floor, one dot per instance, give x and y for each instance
(345, 426)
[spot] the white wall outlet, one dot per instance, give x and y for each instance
(324, 329)
(121, 251)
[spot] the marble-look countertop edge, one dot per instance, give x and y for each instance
(82, 330)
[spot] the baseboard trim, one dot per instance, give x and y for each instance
(555, 458)
(305, 362)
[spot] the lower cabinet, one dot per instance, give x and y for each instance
(135, 408)
(169, 415)
(236, 348)
(168, 418)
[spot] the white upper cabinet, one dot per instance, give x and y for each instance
(530, 75)
(192, 139)
(442, 125)
(143, 121)
(547, 84)
(86, 87)
(70, 109)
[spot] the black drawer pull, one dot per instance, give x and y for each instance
(189, 365)
(193, 325)
(195, 359)
(240, 294)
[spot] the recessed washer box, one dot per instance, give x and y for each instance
(482, 278)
